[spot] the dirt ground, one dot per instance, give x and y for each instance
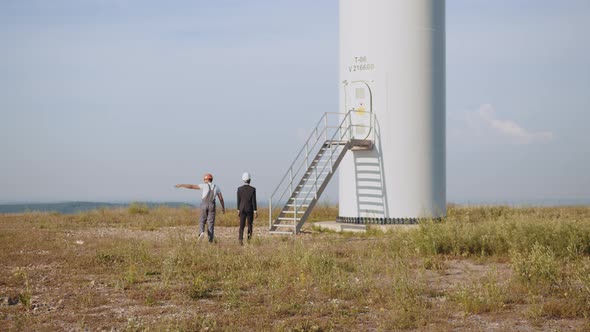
(64, 299)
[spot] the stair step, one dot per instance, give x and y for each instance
(320, 169)
(301, 192)
(284, 225)
(290, 211)
(300, 199)
(306, 199)
(319, 181)
(311, 177)
(287, 218)
(324, 153)
(312, 181)
(302, 206)
(281, 232)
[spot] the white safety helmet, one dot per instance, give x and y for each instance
(246, 176)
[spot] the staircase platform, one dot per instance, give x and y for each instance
(361, 144)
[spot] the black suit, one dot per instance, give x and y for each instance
(246, 206)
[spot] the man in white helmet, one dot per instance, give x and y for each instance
(246, 206)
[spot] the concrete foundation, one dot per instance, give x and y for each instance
(345, 227)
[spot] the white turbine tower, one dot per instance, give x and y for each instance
(390, 139)
(392, 63)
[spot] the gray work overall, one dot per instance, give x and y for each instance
(208, 213)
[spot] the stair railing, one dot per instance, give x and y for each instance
(322, 132)
(319, 133)
(341, 140)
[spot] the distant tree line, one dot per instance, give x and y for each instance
(76, 207)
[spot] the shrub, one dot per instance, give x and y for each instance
(580, 286)
(25, 296)
(493, 231)
(537, 265)
(486, 296)
(453, 237)
(138, 208)
(199, 289)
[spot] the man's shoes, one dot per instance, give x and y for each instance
(241, 242)
(200, 236)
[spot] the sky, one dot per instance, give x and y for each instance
(104, 100)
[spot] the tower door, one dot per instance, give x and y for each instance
(360, 102)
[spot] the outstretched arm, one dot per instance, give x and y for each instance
(187, 186)
(221, 201)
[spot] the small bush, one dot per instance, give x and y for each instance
(486, 296)
(580, 286)
(131, 275)
(537, 265)
(434, 262)
(108, 259)
(559, 308)
(138, 208)
(199, 289)
(26, 295)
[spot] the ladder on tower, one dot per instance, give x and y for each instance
(302, 185)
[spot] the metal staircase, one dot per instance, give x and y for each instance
(315, 164)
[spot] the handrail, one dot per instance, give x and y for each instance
(320, 132)
(322, 119)
(332, 139)
(331, 153)
(295, 168)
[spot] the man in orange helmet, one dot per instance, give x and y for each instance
(210, 192)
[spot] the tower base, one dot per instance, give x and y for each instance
(377, 221)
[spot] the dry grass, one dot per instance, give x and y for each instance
(482, 268)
